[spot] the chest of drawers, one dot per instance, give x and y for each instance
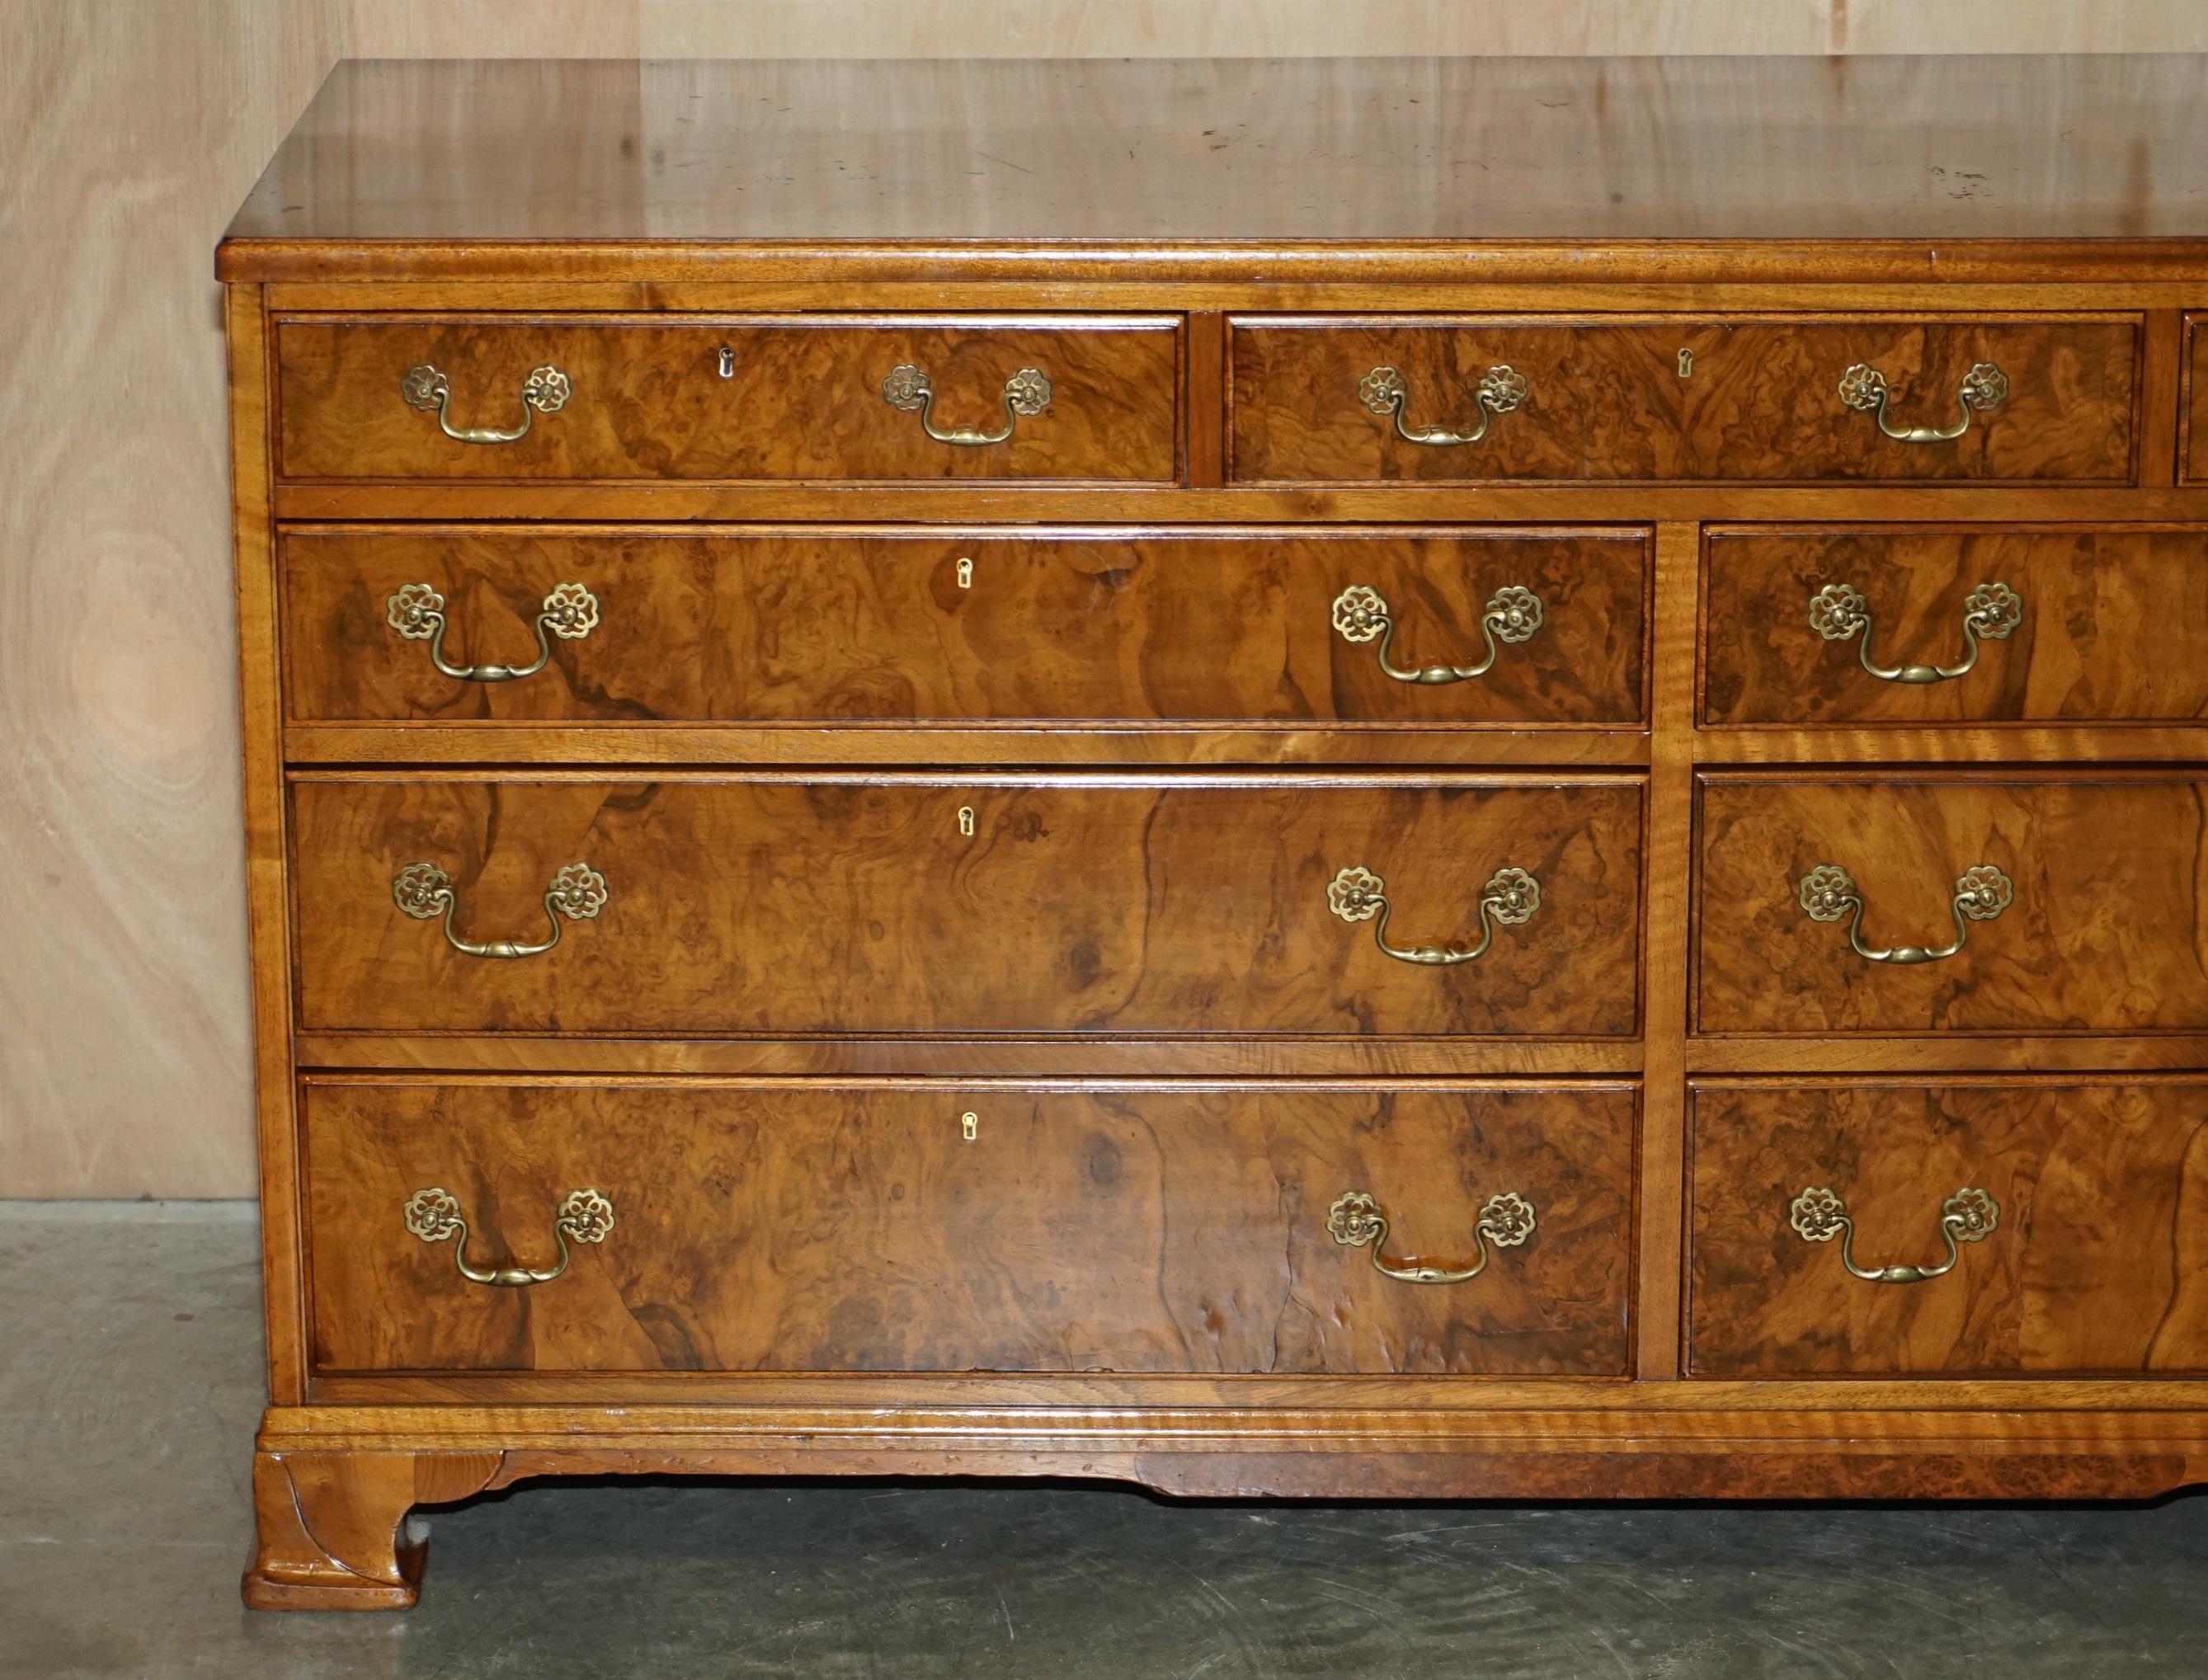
(1361, 779)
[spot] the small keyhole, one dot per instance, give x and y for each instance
(965, 572)
(968, 1123)
(1686, 363)
(966, 819)
(727, 362)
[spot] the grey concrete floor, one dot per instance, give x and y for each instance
(129, 1383)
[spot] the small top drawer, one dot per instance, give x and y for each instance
(781, 399)
(1871, 398)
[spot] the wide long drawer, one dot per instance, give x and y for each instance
(1904, 1227)
(765, 397)
(1997, 903)
(1955, 624)
(821, 904)
(507, 623)
(1877, 398)
(705, 1226)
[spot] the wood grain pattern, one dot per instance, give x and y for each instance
(130, 1073)
(330, 1532)
(841, 904)
(1941, 153)
(970, 1057)
(1489, 1438)
(1070, 28)
(1380, 501)
(1666, 1011)
(2103, 933)
(804, 400)
(2192, 446)
(267, 849)
(1129, 974)
(1606, 400)
(819, 1228)
(350, 1411)
(2099, 1262)
(1082, 625)
(126, 1067)
(1869, 1052)
(1247, 742)
(2114, 626)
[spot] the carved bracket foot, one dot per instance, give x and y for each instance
(333, 1529)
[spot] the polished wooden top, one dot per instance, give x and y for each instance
(650, 161)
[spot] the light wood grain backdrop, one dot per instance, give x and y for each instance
(129, 129)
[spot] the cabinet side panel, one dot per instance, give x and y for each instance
(268, 896)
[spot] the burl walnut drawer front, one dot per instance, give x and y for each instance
(595, 625)
(1880, 397)
(2031, 902)
(819, 905)
(1894, 1229)
(711, 1226)
(785, 398)
(1955, 625)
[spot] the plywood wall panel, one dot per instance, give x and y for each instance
(1200, 28)
(1240, 28)
(127, 134)
(504, 29)
(128, 131)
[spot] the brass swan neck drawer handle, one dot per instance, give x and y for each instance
(1359, 1222)
(1510, 897)
(1967, 1216)
(1984, 388)
(909, 390)
(1500, 390)
(424, 891)
(1991, 612)
(1513, 615)
(1828, 892)
(417, 612)
(434, 1217)
(545, 391)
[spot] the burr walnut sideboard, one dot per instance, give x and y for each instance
(1359, 778)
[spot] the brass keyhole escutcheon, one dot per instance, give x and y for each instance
(727, 362)
(1686, 363)
(968, 1123)
(965, 572)
(966, 820)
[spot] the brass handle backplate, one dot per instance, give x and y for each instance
(909, 390)
(1500, 390)
(1510, 897)
(1968, 1216)
(1828, 892)
(1984, 388)
(417, 612)
(434, 1217)
(545, 391)
(1356, 1221)
(1991, 612)
(1513, 615)
(424, 891)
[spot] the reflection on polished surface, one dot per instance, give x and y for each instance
(1300, 150)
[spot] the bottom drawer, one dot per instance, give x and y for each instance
(2020, 1226)
(766, 1226)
